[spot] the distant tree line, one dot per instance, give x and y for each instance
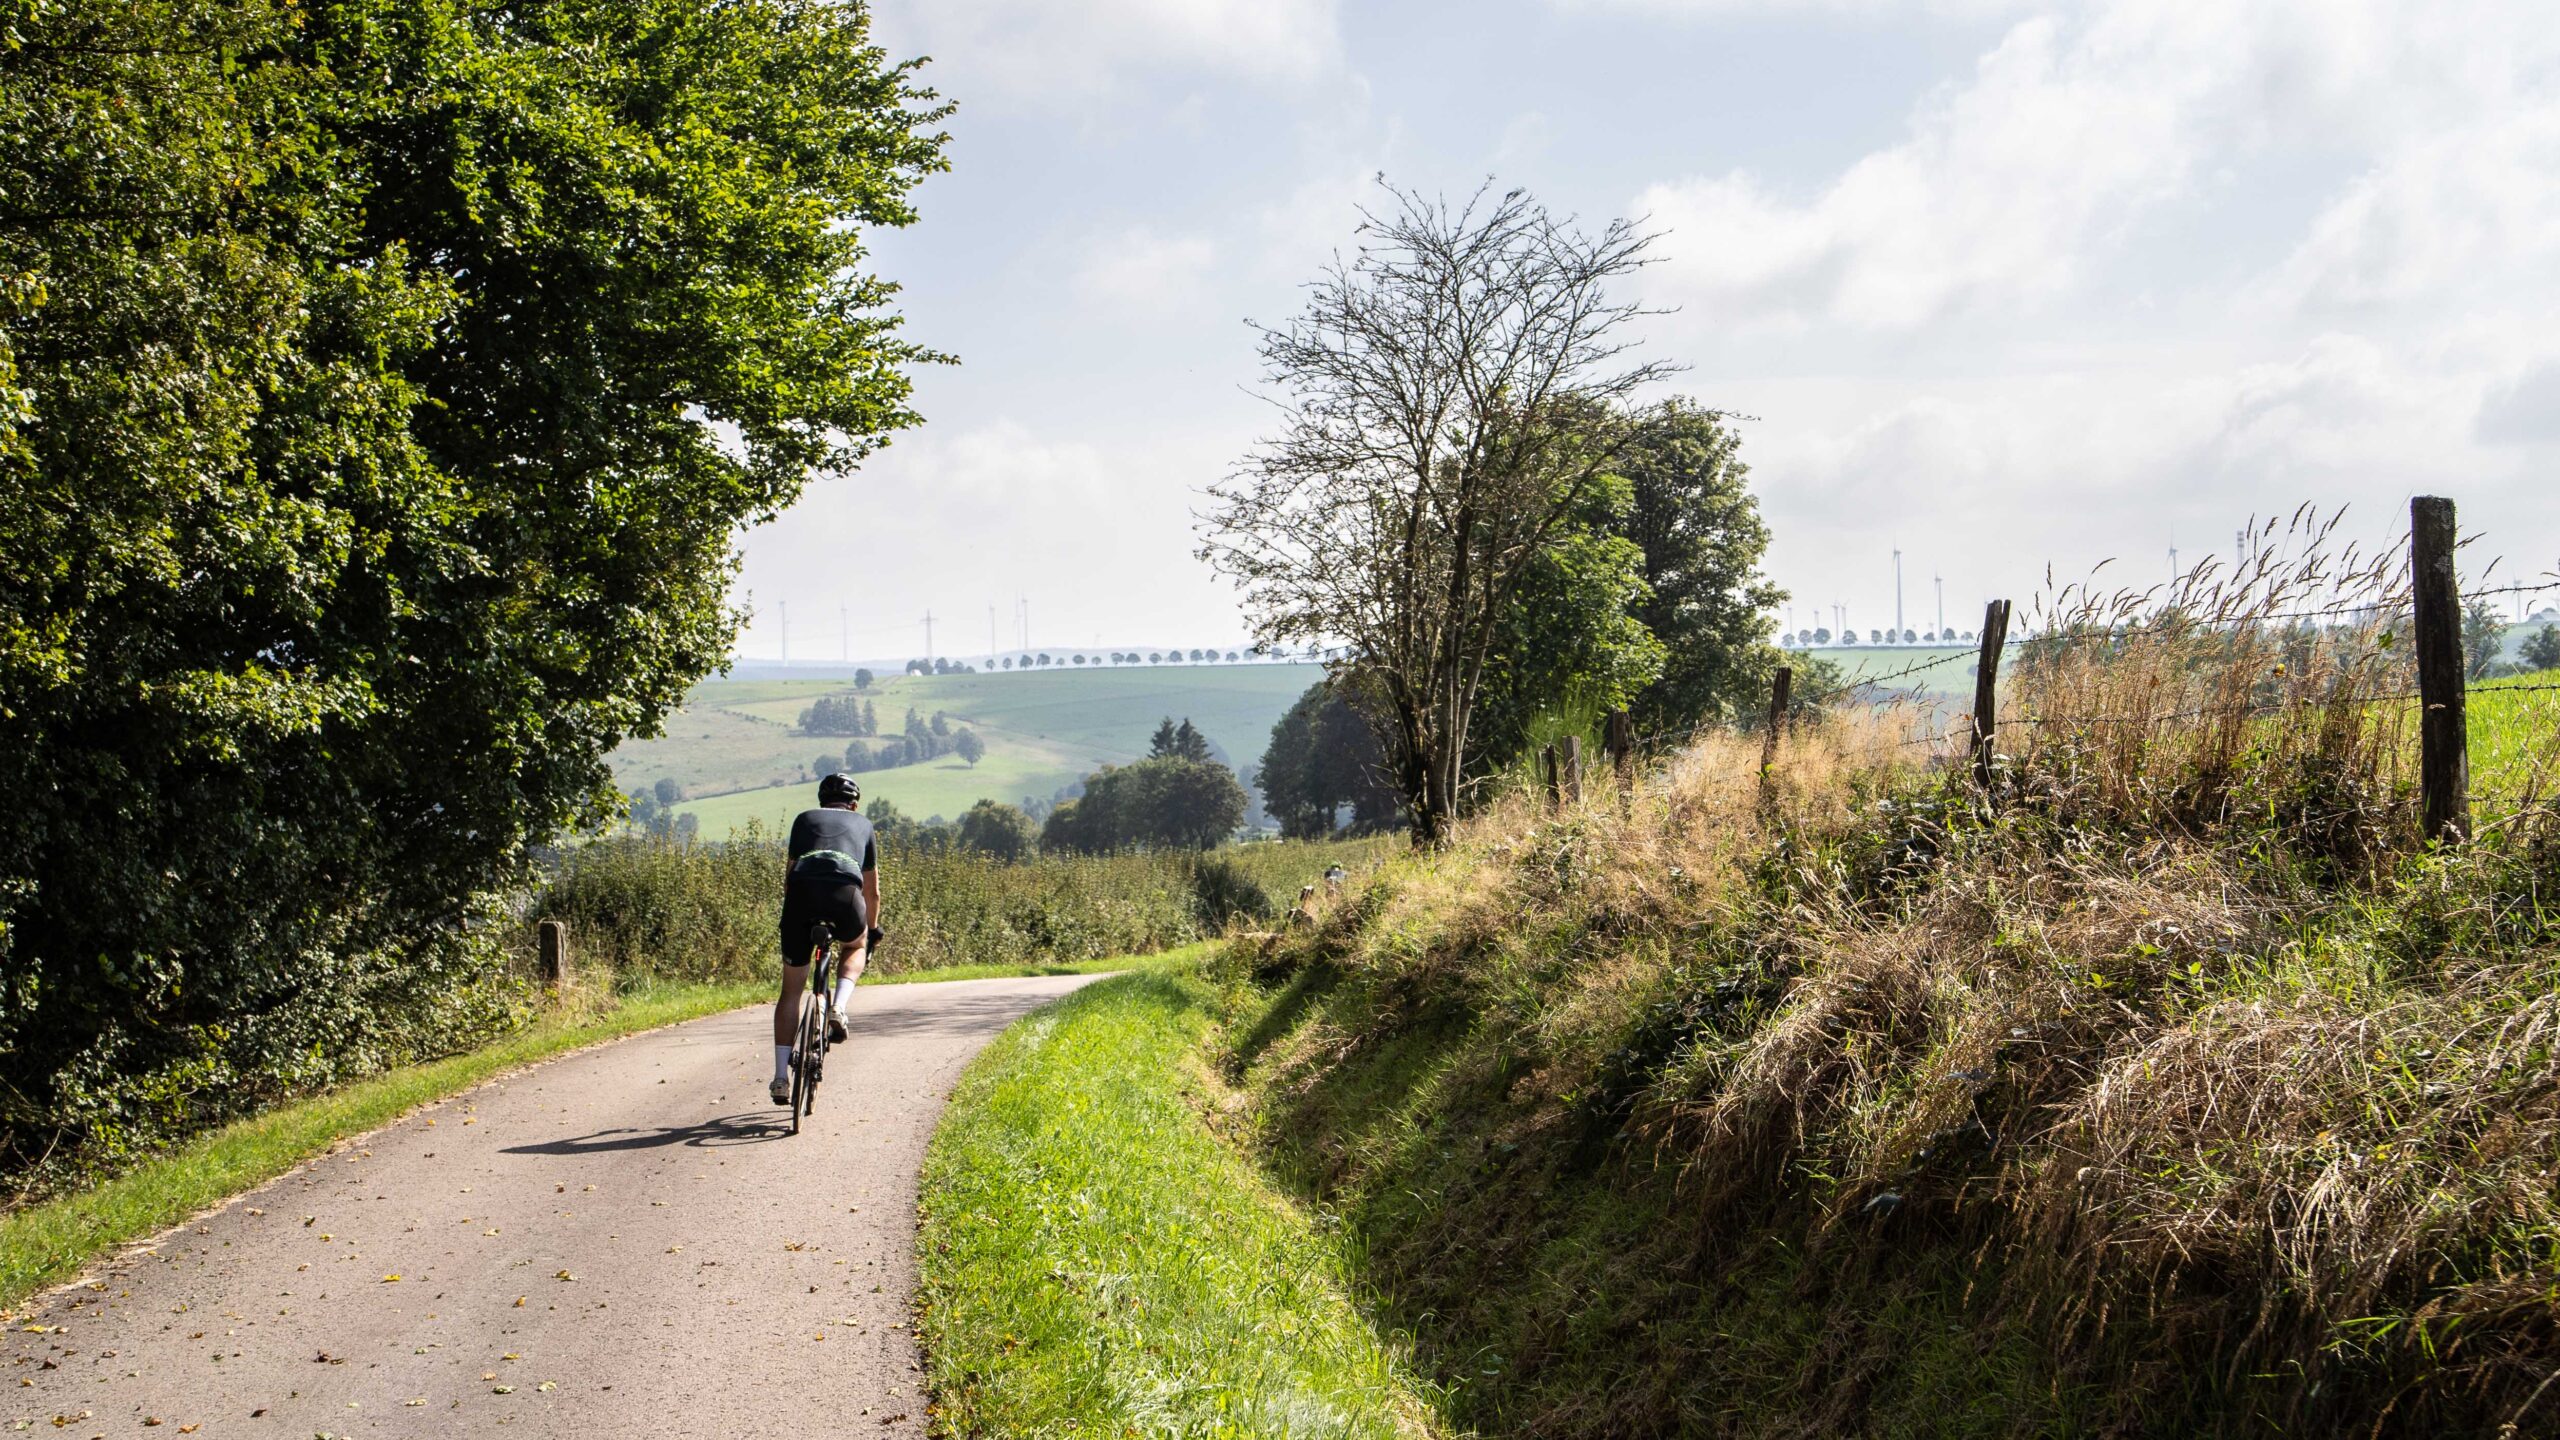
(917, 741)
(840, 715)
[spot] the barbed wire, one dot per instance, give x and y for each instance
(2095, 631)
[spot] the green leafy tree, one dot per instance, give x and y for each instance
(359, 360)
(1323, 756)
(968, 746)
(886, 817)
(669, 793)
(2484, 632)
(1160, 803)
(992, 827)
(1570, 647)
(2541, 649)
(1691, 513)
(862, 679)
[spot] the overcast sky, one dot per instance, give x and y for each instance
(2004, 284)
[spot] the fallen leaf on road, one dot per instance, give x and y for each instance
(548, 1385)
(564, 1275)
(391, 1279)
(519, 1302)
(502, 1389)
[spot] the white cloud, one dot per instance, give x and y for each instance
(2008, 190)
(1859, 9)
(1140, 269)
(1075, 50)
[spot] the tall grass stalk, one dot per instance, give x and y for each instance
(2175, 1078)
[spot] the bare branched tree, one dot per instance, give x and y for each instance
(1450, 394)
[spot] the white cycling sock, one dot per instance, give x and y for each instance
(781, 1062)
(844, 995)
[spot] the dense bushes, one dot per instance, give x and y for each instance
(653, 907)
(2188, 1093)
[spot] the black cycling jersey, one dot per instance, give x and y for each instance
(831, 839)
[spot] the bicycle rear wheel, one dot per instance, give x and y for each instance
(806, 1060)
(800, 1068)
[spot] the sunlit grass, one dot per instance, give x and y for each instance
(1097, 1262)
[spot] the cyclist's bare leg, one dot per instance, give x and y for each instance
(786, 1011)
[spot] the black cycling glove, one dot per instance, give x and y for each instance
(872, 941)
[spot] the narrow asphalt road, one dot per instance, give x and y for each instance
(624, 1242)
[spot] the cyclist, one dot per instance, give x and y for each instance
(833, 876)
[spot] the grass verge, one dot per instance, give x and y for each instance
(1096, 1261)
(1173, 959)
(47, 1243)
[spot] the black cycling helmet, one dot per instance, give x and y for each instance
(838, 788)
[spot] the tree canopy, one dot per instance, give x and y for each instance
(1324, 756)
(1167, 803)
(359, 366)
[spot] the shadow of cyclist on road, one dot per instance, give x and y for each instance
(744, 1129)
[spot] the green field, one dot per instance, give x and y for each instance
(1950, 674)
(736, 746)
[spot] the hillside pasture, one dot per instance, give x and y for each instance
(735, 745)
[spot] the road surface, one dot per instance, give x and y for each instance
(623, 1242)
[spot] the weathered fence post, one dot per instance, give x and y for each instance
(553, 938)
(1986, 688)
(2444, 756)
(1622, 751)
(1779, 686)
(1573, 768)
(1554, 777)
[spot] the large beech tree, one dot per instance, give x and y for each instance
(360, 364)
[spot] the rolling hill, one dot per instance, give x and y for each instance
(736, 749)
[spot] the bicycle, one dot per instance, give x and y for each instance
(817, 1016)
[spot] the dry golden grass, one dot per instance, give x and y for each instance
(2229, 1088)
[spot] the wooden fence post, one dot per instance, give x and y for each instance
(1779, 686)
(1573, 768)
(553, 937)
(1554, 776)
(2444, 757)
(1622, 750)
(1986, 688)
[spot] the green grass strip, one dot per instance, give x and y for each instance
(44, 1244)
(1096, 1261)
(1173, 959)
